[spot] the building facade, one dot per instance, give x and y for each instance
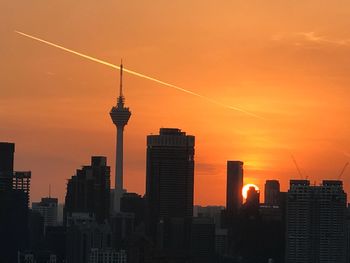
(48, 210)
(272, 192)
(7, 151)
(14, 199)
(316, 222)
(169, 186)
(88, 192)
(234, 185)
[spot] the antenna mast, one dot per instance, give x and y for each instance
(121, 79)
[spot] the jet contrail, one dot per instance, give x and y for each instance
(141, 75)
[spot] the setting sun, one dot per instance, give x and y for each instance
(246, 188)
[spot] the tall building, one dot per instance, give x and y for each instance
(21, 182)
(272, 192)
(14, 198)
(47, 207)
(316, 222)
(234, 185)
(348, 233)
(251, 206)
(88, 192)
(170, 176)
(7, 151)
(253, 197)
(120, 116)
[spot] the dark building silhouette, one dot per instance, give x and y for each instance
(82, 238)
(14, 233)
(133, 203)
(202, 240)
(348, 233)
(88, 192)
(36, 230)
(7, 151)
(47, 207)
(213, 212)
(122, 226)
(272, 192)
(55, 241)
(169, 192)
(234, 185)
(252, 203)
(21, 184)
(316, 222)
(14, 199)
(170, 175)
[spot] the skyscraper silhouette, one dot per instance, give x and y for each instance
(316, 228)
(272, 192)
(170, 176)
(14, 198)
(7, 151)
(88, 192)
(234, 185)
(120, 116)
(48, 209)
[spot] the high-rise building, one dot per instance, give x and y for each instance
(253, 197)
(272, 192)
(21, 182)
(48, 210)
(88, 192)
(234, 185)
(252, 204)
(120, 116)
(14, 198)
(170, 176)
(7, 151)
(316, 222)
(348, 233)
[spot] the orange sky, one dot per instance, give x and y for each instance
(287, 61)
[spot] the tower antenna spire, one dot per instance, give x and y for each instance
(121, 79)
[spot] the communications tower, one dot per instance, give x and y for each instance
(120, 116)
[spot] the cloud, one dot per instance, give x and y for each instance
(307, 38)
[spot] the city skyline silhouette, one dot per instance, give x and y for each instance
(293, 76)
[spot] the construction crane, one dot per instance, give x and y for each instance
(343, 170)
(296, 165)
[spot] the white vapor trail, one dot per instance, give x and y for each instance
(140, 75)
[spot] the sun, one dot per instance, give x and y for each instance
(246, 188)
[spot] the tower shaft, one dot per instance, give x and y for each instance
(119, 159)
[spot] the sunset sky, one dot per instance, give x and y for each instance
(287, 61)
